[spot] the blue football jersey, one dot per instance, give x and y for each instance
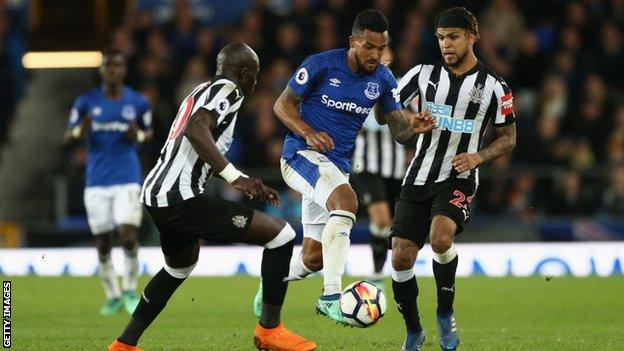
(112, 159)
(337, 101)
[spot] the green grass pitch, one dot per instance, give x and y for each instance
(216, 314)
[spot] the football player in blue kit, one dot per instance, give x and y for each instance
(324, 106)
(113, 118)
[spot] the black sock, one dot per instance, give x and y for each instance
(380, 252)
(445, 280)
(405, 295)
(270, 316)
(275, 266)
(155, 297)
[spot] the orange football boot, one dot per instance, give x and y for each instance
(280, 339)
(120, 346)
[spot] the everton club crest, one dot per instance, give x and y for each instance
(372, 90)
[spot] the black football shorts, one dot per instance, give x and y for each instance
(418, 204)
(371, 188)
(201, 217)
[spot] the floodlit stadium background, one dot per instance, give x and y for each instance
(564, 183)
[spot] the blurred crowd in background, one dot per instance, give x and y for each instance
(13, 23)
(561, 58)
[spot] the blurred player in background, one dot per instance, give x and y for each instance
(463, 95)
(378, 168)
(113, 118)
(173, 193)
(324, 106)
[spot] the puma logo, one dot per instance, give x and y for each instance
(451, 289)
(466, 214)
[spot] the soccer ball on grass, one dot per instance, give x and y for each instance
(362, 304)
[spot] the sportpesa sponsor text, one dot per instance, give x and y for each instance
(109, 126)
(347, 106)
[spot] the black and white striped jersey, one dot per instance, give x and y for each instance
(376, 152)
(179, 173)
(462, 106)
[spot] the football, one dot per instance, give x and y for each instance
(362, 304)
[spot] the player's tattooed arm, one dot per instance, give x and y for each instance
(502, 145)
(398, 124)
(405, 125)
(286, 108)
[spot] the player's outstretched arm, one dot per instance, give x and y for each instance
(198, 131)
(286, 108)
(405, 125)
(502, 145)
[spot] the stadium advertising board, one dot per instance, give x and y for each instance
(495, 260)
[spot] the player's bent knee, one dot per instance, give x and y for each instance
(129, 244)
(401, 262)
(441, 244)
(351, 203)
(404, 253)
(313, 260)
(442, 225)
(128, 237)
(286, 235)
(104, 250)
(180, 273)
(343, 198)
(103, 244)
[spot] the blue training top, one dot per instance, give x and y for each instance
(112, 159)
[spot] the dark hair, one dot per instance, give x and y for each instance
(370, 19)
(472, 25)
(109, 52)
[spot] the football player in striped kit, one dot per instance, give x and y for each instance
(464, 96)
(173, 193)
